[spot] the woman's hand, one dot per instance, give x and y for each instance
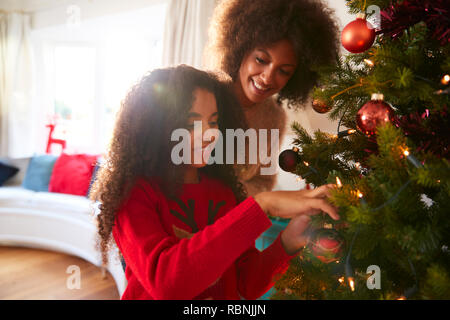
(289, 204)
(294, 237)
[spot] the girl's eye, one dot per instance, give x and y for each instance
(214, 124)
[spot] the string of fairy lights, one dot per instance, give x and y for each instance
(349, 274)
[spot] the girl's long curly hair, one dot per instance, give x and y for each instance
(239, 26)
(141, 144)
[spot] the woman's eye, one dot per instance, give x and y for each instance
(214, 124)
(259, 60)
(286, 73)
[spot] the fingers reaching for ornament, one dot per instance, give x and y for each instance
(289, 204)
(321, 192)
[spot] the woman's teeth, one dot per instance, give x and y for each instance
(259, 87)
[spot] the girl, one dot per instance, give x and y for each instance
(271, 51)
(187, 231)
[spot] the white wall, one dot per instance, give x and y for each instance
(310, 119)
(63, 11)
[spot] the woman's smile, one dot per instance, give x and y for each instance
(265, 71)
(260, 88)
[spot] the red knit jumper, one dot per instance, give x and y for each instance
(199, 246)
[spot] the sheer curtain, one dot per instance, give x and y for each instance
(16, 86)
(186, 31)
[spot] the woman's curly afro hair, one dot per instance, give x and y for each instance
(239, 26)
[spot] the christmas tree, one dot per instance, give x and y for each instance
(389, 158)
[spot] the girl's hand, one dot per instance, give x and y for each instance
(289, 204)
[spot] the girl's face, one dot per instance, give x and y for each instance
(264, 71)
(204, 110)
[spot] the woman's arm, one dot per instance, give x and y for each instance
(267, 116)
(259, 183)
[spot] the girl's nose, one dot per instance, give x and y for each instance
(210, 136)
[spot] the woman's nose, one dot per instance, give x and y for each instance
(267, 76)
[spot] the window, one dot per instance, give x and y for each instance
(74, 93)
(129, 58)
(85, 72)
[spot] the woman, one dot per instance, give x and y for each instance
(270, 51)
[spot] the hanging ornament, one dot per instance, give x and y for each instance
(358, 35)
(374, 113)
(326, 245)
(320, 107)
(288, 159)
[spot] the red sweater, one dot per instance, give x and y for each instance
(201, 246)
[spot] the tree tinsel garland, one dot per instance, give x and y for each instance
(434, 13)
(429, 131)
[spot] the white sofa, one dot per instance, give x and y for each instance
(53, 221)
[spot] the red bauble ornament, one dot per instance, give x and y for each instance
(320, 107)
(326, 245)
(358, 35)
(288, 159)
(374, 113)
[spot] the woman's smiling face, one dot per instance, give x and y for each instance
(264, 71)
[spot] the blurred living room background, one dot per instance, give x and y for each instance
(65, 66)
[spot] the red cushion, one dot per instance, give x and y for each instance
(72, 174)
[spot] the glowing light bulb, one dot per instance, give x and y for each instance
(345, 133)
(338, 182)
(306, 163)
(369, 62)
(341, 280)
(351, 282)
(412, 159)
(361, 198)
(445, 80)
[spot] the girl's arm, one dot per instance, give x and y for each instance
(257, 270)
(169, 268)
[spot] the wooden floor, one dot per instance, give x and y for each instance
(35, 274)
